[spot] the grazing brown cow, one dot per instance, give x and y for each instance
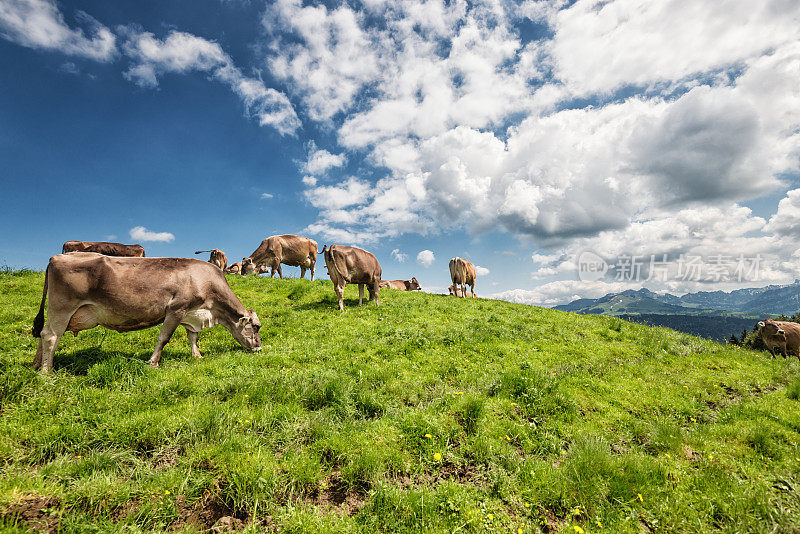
(217, 258)
(248, 266)
(402, 285)
(350, 265)
(781, 335)
(290, 250)
(105, 248)
(457, 291)
(234, 268)
(462, 273)
(124, 294)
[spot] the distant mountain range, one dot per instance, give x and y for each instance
(710, 314)
(750, 302)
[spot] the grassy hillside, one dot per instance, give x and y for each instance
(428, 413)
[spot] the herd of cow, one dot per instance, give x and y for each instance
(117, 287)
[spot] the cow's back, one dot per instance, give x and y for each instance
(130, 281)
(105, 248)
(355, 265)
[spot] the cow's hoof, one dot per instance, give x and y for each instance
(153, 364)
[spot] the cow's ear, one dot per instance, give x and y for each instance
(243, 321)
(761, 324)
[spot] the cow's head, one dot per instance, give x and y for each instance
(248, 267)
(413, 285)
(452, 289)
(245, 330)
(771, 328)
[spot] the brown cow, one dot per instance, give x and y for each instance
(234, 268)
(125, 294)
(103, 247)
(462, 273)
(782, 335)
(248, 266)
(217, 258)
(402, 285)
(288, 249)
(350, 265)
(457, 291)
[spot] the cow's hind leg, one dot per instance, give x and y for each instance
(339, 289)
(193, 338)
(167, 329)
(360, 294)
(313, 266)
(51, 334)
(280, 271)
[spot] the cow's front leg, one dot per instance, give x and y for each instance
(313, 265)
(360, 294)
(167, 329)
(302, 271)
(193, 339)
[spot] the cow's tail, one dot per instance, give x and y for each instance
(324, 248)
(38, 322)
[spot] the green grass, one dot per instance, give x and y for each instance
(426, 414)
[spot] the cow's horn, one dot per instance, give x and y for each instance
(761, 324)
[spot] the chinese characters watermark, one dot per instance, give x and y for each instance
(685, 268)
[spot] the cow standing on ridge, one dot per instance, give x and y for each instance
(351, 265)
(86, 289)
(292, 250)
(217, 258)
(781, 335)
(462, 273)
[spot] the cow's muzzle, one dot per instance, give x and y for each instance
(255, 349)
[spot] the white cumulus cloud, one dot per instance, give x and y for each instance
(40, 24)
(182, 52)
(426, 258)
(399, 256)
(140, 233)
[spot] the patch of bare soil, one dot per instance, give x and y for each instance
(209, 513)
(36, 512)
(336, 496)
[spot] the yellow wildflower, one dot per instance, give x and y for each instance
(428, 436)
(640, 497)
(527, 505)
(599, 524)
(166, 492)
(437, 457)
(578, 529)
(519, 530)
(489, 517)
(693, 419)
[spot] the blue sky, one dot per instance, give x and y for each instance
(516, 135)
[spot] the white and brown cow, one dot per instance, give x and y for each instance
(248, 267)
(351, 265)
(234, 268)
(292, 250)
(86, 289)
(104, 247)
(402, 285)
(217, 258)
(462, 273)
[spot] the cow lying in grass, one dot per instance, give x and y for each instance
(402, 285)
(86, 289)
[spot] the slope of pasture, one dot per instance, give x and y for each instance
(426, 414)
